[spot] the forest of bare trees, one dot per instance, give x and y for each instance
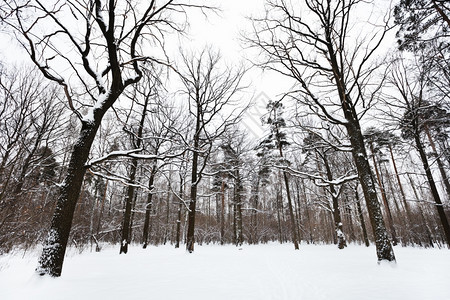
(109, 137)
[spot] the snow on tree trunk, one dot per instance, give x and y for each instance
(239, 239)
(190, 239)
(125, 236)
(383, 197)
(148, 208)
(382, 243)
(52, 257)
(336, 210)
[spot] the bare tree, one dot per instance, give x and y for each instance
(136, 139)
(209, 89)
(316, 147)
(163, 131)
(100, 46)
(313, 44)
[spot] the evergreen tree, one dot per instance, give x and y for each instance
(277, 141)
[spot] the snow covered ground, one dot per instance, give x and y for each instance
(225, 272)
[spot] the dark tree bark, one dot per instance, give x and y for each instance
(288, 191)
(222, 213)
(148, 207)
(298, 210)
(277, 141)
(190, 237)
(383, 245)
(434, 191)
(341, 241)
(239, 237)
(439, 162)
(383, 197)
(361, 218)
(52, 257)
(291, 211)
(125, 236)
(279, 207)
(100, 215)
(254, 212)
(180, 212)
(308, 218)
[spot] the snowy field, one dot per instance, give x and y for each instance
(225, 272)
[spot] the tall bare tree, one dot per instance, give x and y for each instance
(210, 88)
(314, 144)
(94, 50)
(314, 43)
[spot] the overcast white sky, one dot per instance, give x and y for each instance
(223, 31)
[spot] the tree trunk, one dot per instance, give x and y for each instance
(148, 208)
(92, 216)
(234, 222)
(133, 212)
(434, 191)
(400, 186)
(179, 213)
(279, 205)
(100, 214)
(127, 218)
(298, 210)
(125, 236)
(382, 243)
(222, 214)
(349, 212)
(353, 127)
(361, 218)
(439, 163)
(238, 206)
(336, 210)
(52, 257)
(193, 197)
(167, 223)
(291, 211)
(383, 197)
(308, 217)
(254, 213)
(288, 193)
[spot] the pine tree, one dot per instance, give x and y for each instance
(277, 141)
